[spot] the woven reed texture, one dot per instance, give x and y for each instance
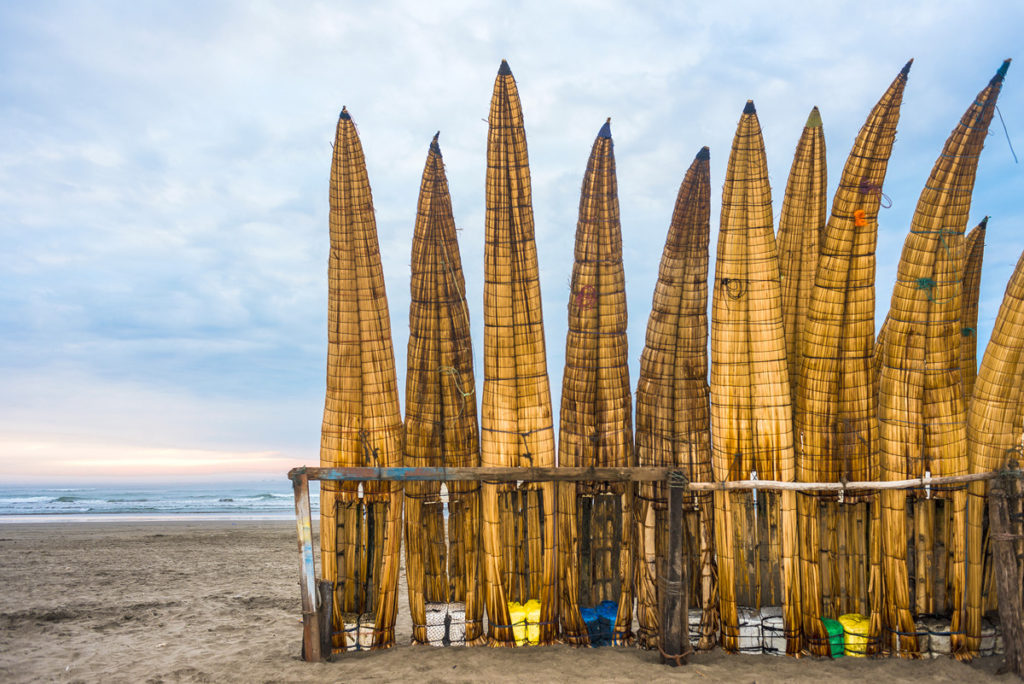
(362, 423)
(597, 405)
(834, 416)
(921, 410)
(971, 292)
(801, 223)
(440, 415)
(751, 419)
(994, 428)
(835, 413)
(672, 413)
(516, 422)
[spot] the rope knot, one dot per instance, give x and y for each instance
(926, 284)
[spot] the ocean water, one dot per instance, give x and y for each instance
(263, 499)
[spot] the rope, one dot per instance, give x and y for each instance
(868, 188)
(679, 659)
(926, 284)
(1007, 135)
(677, 479)
(734, 287)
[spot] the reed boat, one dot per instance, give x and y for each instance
(922, 414)
(836, 427)
(994, 421)
(801, 225)
(673, 425)
(751, 418)
(971, 292)
(360, 523)
(441, 430)
(596, 427)
(519, 536)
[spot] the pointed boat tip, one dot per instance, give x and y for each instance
(606, 129)
(1001, 73)
(906, 67)
(344, 114)
(984, 223)
(704, 154)
(434, 147)
(813, 119)
(749, 108)
(504, 69)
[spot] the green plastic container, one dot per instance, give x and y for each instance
(835, 637)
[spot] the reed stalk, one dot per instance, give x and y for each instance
(994, 429)
(922, 414)
(672, 411)
(440, 415)
(362, 423)
(751, 419)
(835, 416)
(516, 422)
(596, 411)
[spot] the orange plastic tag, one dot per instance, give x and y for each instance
(859, 218)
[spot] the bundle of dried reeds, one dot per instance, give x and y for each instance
(921, 412)
(994, 429)
(440, 416)
(835, 410)
(596, 413)
(672, 415)
(801, 223)
(519, 533)
(751, 419)
(978, 570)
(975, 248)
(360, 524)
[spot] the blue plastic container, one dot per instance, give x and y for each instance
(606, 612)
(590, 619)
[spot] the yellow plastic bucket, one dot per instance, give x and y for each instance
(532, 608)
(856, 630)
(517, 614)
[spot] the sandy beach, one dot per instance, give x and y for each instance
(216, 601)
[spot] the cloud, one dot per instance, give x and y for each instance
(163, 177)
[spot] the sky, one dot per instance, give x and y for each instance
(164, 177)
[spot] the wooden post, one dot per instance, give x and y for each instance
(325, 615)
(674, 634)
(307, 574)
(1002, 536)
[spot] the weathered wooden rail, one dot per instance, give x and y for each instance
(673, 637)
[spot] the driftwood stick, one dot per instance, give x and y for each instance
(675, 637)
(1003, 534)
(307, 574)
(325, 614)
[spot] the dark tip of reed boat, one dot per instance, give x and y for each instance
(984, 223)
(344, 114)
(434, 147)
(606, 130)
(749, 108)
(504, 69)
(704, 154)
(813, 119)
(906, 67)
(1001, 73)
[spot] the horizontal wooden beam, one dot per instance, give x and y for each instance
(486, 474)
(640, 474)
